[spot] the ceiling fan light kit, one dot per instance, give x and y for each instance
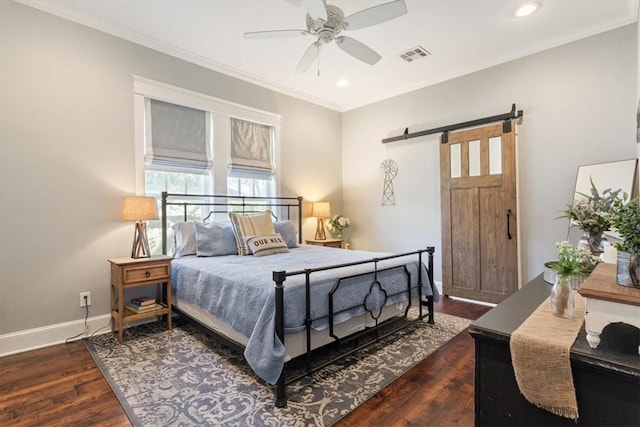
(325, 22)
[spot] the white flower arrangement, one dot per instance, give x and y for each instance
(337, 224)
(573, 261)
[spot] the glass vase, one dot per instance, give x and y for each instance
(563, 296)
(593, 242)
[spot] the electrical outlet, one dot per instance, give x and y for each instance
(84, 295)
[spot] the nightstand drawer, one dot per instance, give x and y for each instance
(329, 243)
(146, 273)
(337, 244)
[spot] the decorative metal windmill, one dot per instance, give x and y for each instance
(390, 169)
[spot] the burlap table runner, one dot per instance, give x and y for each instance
(540, 350)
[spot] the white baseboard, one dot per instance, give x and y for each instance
(438, 286)
(473, 301)
(32, 339)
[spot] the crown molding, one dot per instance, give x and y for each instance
(64, 11)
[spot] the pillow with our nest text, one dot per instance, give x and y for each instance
(267, 244)
(245, 226)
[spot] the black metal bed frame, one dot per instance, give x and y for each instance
(248, 204)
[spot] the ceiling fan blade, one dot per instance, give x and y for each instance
(358, 50)
(309, 57)
(274, 34)
(315, 8)
(375, 15)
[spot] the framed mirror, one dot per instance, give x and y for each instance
(612, 175)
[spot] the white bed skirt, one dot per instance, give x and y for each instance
(295, 344)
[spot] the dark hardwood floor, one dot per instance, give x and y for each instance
(61, 385)
(436, 392)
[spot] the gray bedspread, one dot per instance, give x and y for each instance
(239, 290)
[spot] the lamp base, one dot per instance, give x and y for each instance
(140, 247)
(320, 235)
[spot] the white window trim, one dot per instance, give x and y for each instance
(221, 113)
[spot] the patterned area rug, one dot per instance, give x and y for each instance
(186, 378)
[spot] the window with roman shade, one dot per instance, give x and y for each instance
(178, 137)
(251, 146)
(251, 166)
(178, 134)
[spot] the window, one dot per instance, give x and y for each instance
(251, 165)
(245, 185)
(192, 143)
(178, 149)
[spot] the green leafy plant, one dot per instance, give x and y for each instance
(625, 219)
(592, 213)
(573, 261)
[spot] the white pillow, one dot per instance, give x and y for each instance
(245, 226)
(267, 244)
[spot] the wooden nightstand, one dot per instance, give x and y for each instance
(129, 273)
(331, 243)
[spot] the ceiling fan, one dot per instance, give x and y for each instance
(325, 22)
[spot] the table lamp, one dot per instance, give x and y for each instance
(320, 210)
(140, 209)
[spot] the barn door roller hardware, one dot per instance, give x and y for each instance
(506, 126)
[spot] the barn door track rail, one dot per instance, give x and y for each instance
(506, 117)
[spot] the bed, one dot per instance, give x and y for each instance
(275, 298)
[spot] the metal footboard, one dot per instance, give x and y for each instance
(279, 277)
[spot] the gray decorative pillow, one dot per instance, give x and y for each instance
(215, 239)
(267, 244)
(288, 232)
(184, 239)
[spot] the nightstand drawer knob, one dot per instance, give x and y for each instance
(147, 273)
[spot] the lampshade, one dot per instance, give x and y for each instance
(321, 210)
(139, 208)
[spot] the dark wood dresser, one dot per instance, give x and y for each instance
(607, 379)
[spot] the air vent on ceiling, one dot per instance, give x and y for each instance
(415, 54)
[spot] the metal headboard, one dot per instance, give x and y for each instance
(220, 203)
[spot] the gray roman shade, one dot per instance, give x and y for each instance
(178, 136)
(251, 146)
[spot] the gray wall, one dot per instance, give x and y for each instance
(579, 102)
(67, 150)
(67, 157)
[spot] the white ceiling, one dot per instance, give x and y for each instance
(462, 36)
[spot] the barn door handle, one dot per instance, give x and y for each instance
(509, 214)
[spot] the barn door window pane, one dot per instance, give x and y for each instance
(474, 158)
(495, 155)
(456, 160)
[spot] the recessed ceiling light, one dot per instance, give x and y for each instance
(343, 82)
(526, 9)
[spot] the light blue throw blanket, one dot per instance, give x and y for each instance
(240, 291)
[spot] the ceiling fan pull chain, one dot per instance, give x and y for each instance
(318, 47)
